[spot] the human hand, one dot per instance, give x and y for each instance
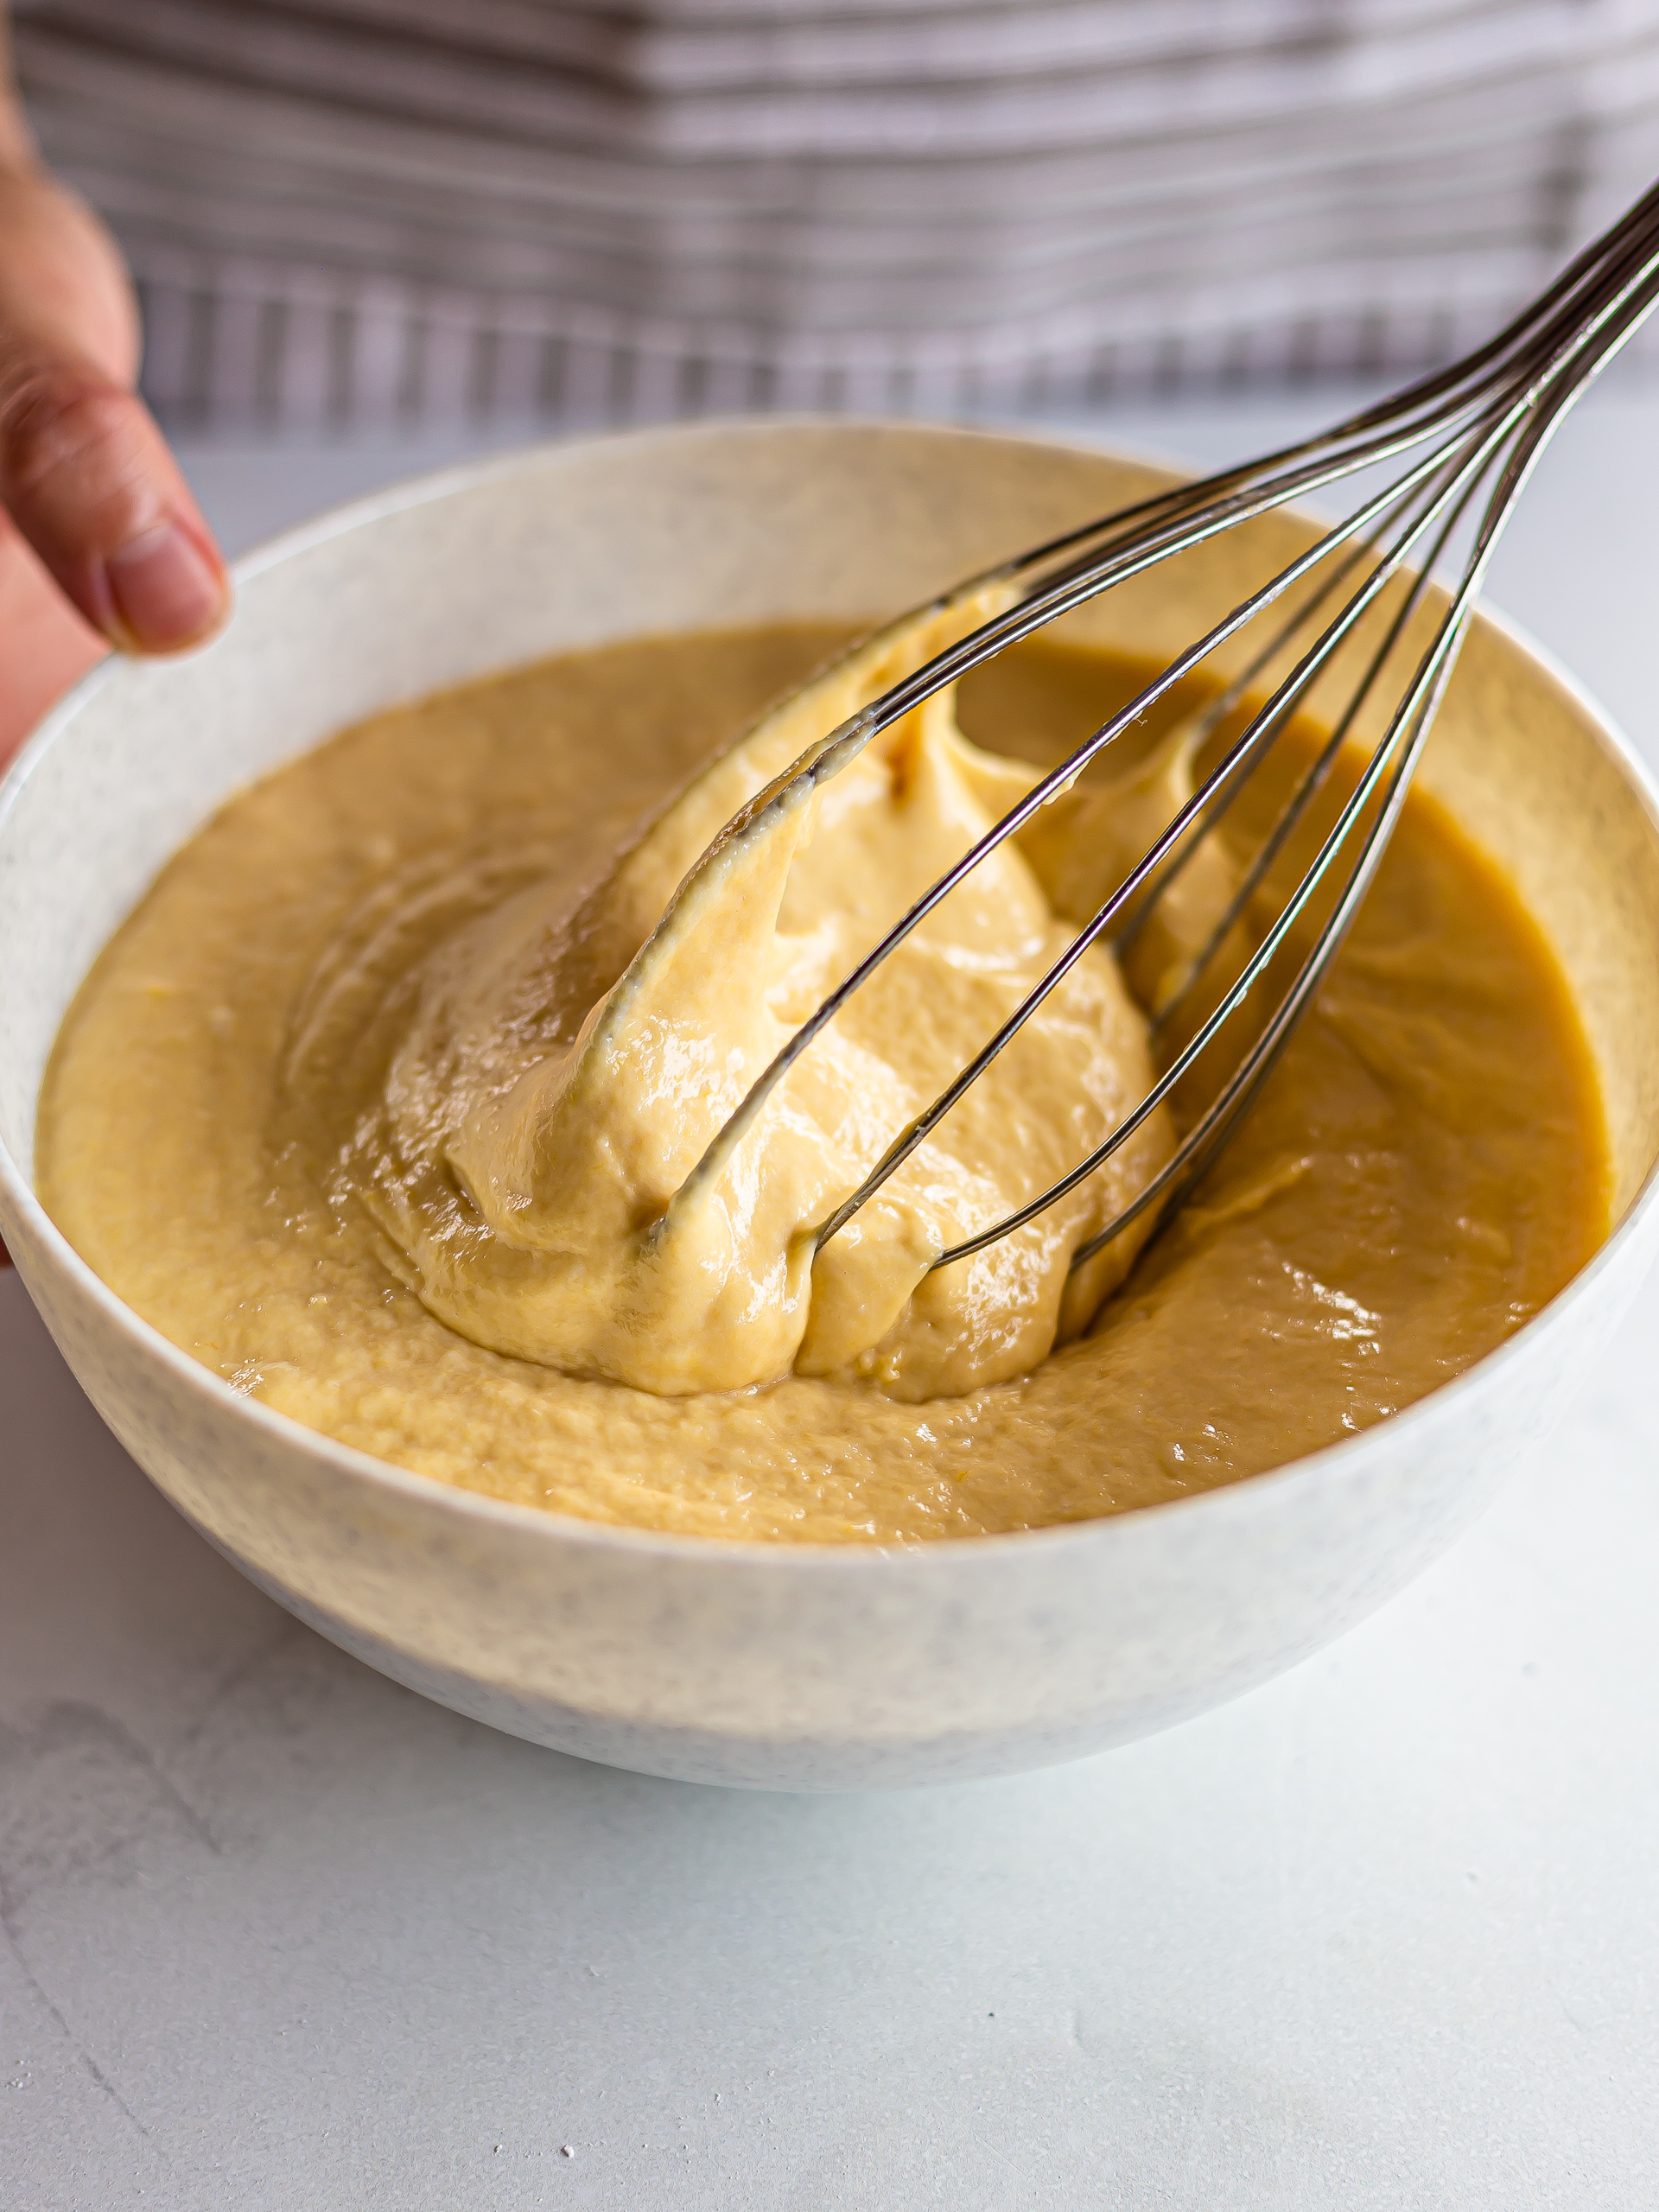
(101, 543)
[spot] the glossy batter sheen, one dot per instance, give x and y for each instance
(538, 1149)
(266, 1126)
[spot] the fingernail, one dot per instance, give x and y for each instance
(165, 592)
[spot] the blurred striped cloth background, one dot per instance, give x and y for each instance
(375, 213)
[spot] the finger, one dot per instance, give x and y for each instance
(88, 479)
(47, 645)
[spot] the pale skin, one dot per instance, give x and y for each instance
(101, 543)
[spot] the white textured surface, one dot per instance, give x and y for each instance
(1384, 1933)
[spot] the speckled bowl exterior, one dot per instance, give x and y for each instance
(777, 1666)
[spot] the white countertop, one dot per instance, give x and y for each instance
(278, 1934)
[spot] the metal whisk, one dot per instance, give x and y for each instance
(1469, 437)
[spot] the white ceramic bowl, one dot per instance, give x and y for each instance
(783, 1667)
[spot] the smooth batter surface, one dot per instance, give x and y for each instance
(1424, 1170)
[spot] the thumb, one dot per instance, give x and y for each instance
(88, 479)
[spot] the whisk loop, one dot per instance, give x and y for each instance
(1469, 436)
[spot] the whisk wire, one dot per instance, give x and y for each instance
(945, 668)
(1491, 416)
(1280, 711)
(1260, 733)
(1416, 716)
(1254, 969)
(1454, 492)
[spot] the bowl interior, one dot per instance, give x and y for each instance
(721, 524)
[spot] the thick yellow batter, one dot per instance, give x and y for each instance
(532, 1149)
(305, 1089)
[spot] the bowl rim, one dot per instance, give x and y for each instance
(1246, 1494)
